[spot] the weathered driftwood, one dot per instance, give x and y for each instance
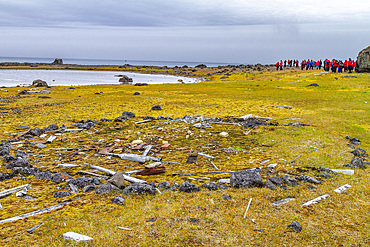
(147, 149)
(8, 192)
(207, 156)
(67, 165)
(124, 228)
(41, 211)
(213, 165)
(94, 174)
(346, 172)
(296, 158)
(135, 157)
(246, 211)
(70, 130)
(38, 225)
(144, 121)
(51, 139)
(316, 200)
(283, 201)
(343, 188)
(110, 172)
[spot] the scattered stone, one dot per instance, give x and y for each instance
(210, 186)
(117, 180)
(44, 175)
(357, 162)
(18, 162)
(60, 177)
(25, 171)
(104, 188)
(88, 188)
(136, 93)
(224, 134)
(226, 197)
(355, 141)
(192, 159)
(223, 186)
(39, 83)
(61, 194)
(189, 187)
(313, 85)
(245, 179)
(290, 181)
(124, 79)
(76, 237)
(4, 151)
(164, 185)
(4, 176)
(175, 186)
(156, 108)
(9, 158)
(275, 180)
(21, 154)
(296, 226)
(270, 185)
(125, 116)
(305, 178)
(139, 188)
(118, 200)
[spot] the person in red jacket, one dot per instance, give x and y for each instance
(354, 65)
(277, 65)
(350, 64)
(345, 65)
(303, 64)
(281, 64)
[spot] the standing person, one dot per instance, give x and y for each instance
(284, 63)
(317, 64)
(296, 63)
(307, 64)
(345, 65)
(311, 64)
(320, 64)
(341, 66)
(303, 64)
(277, 65)
(354, 64)
(349, 65)
(281, 64)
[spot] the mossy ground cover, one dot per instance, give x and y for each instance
(339, 107)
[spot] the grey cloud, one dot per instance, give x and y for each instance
(175, 12)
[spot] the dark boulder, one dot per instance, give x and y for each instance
(39, 83)
(210, 186)
(51, 127)
(58, 61)
(61, 194)
(290, 181)
(88, 188)
(83, 182)
(357, 162)
(44, 175)
(164, 185)
(25, 171)
(296, 226)
(139, 188)
(18, 162)
(4, 176)
(125, 116)
(304, 178)
(245, 179)
(313, 85)
(275, 180)
(118, 200)
(270, 185)
(363, 60)
(4, 151)
(104, 188)
(60, 177)
(124, 79)
(189, 187)
(156, 108)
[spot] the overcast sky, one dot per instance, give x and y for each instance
(226, 31)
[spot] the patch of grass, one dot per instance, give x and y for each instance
(332, 111)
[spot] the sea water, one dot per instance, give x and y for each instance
(13, 78)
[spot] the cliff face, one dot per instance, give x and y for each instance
(363, 60)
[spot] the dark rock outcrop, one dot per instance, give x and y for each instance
(58, 61)
(189, 187)
(139, 188)
(39, 83)
(124, 79)
(83, 182)
(125, 116)
(363, 60)
(245, 179)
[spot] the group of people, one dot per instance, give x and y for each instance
(328, 65)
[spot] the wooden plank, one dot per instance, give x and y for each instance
(8, 192)
(316, 200)
(110, 172)
(41, 211)
(343, 188)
